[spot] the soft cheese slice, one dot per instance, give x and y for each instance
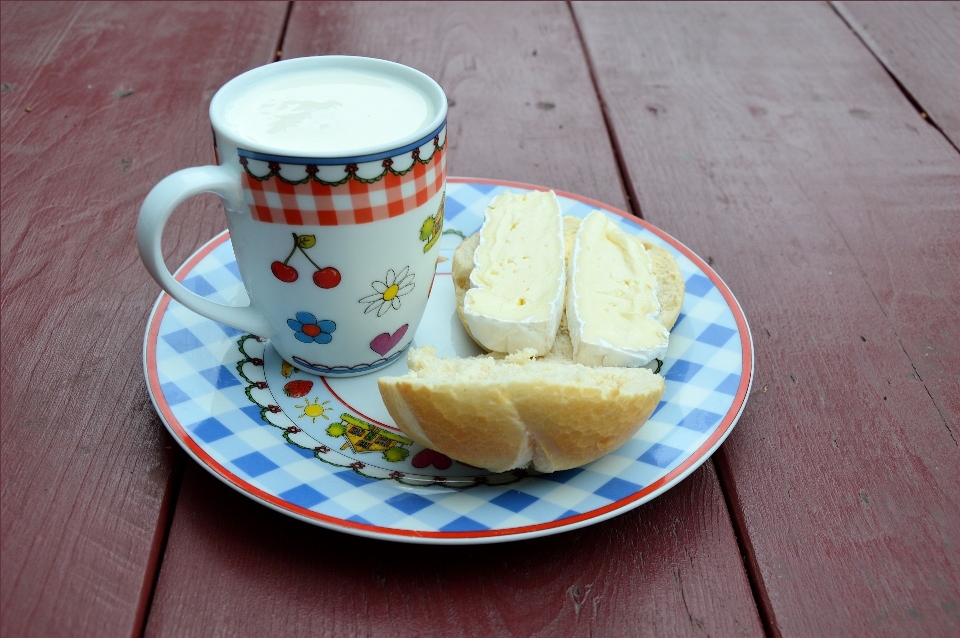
(613, 313)
(517, 286)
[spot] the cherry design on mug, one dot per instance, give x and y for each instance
(328, 277)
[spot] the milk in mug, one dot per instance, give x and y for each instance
(329, 112)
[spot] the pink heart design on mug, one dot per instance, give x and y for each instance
(384, 343)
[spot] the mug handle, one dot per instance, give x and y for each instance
(156, 210)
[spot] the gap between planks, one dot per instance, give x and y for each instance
(625, 182)
(747, 554)
(169, 505)
(875, 50)
(283, 33)
(152, 573)
(867, 40)
(747, 558)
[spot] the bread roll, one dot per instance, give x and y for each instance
(501, 412)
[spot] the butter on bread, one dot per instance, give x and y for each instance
(612, 309)
(516, 291)
(502, 412)
(670, 285)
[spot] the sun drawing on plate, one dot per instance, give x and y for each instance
(314, 410)
(389, 291)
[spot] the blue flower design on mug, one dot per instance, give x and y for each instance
(307, 329)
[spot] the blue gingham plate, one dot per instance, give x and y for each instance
(326, 450)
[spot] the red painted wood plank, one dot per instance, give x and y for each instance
(99, 102)
(236, 569)
(526, 117)
(671, 567)
(769, 139)
(919, 43)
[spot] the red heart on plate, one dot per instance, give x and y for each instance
(384, 343)
(426, 457)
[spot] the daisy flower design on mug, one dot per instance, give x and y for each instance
(389, 291)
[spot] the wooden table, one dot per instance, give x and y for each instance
(808, 151)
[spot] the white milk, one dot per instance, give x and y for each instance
(326, 112)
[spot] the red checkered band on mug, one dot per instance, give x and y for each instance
(342, 191)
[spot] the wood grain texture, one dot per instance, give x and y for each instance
(522, 107)
(919, 43)
(765, 137)
(99, 102)
(234, 568)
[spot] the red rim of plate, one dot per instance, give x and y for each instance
(675, 475)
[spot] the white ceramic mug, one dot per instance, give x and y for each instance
(332, 172)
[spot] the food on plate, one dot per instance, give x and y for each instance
(501, 412)
(613, 313)
(573, 403)
(670, 286)
(516, 293)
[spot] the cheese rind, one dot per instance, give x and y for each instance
(517, 286)
(612, 309)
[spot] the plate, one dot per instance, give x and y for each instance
(327, 452)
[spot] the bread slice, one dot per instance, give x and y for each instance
(516, 294)
(501, 412)
(612, 310)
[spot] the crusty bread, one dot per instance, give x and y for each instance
(503, 412)
(670, 286)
